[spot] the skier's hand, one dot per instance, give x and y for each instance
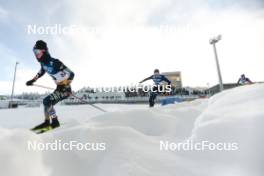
(30, 82)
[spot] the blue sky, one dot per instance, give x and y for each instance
(127, 46)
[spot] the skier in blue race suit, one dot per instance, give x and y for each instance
(62, 76)
(244, 80)
(157, 79)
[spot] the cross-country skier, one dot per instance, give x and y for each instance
(244, 80)
(157, 78)
(62, 76)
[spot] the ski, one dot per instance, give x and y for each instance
(43, 130)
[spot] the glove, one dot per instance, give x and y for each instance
(30, 83)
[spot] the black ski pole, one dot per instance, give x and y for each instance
(96, 107)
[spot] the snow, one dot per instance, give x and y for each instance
(132, 135)
(4, 104)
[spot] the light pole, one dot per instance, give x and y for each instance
(14, 80)
(213, 42)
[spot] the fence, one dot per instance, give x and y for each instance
(127, 100)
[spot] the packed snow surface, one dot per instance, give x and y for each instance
(132, 137)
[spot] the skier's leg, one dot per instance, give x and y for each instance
(48, 107)
(54, 118)
(152, 98)
(49, 111)
(61, 93)
(47, 102)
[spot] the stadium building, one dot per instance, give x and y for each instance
(175, 78)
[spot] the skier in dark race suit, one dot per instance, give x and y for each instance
(62, 76)
(157, 78)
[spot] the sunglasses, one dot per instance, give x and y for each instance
(38, 51)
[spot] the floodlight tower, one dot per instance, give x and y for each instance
(213, 42)
(14, 80)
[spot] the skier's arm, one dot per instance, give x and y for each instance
(39, 74)
(238, 82)
(58, 65)
(248, 80)
(148, 78)
(166, 80)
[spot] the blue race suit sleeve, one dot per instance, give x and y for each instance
(166, 79)
(148, 78)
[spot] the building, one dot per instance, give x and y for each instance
(175, 78)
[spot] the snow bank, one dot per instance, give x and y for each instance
(132, 136)
(15, 159)
(235, 115)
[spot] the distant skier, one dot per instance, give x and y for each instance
(62, 76)
(157, 78)
(244, 80)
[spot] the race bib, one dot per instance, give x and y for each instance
(61, 76)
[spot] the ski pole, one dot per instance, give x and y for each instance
(49, 88)
(88, 103)
(96, 107)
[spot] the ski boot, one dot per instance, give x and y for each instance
(55, 123)
(45, 124)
